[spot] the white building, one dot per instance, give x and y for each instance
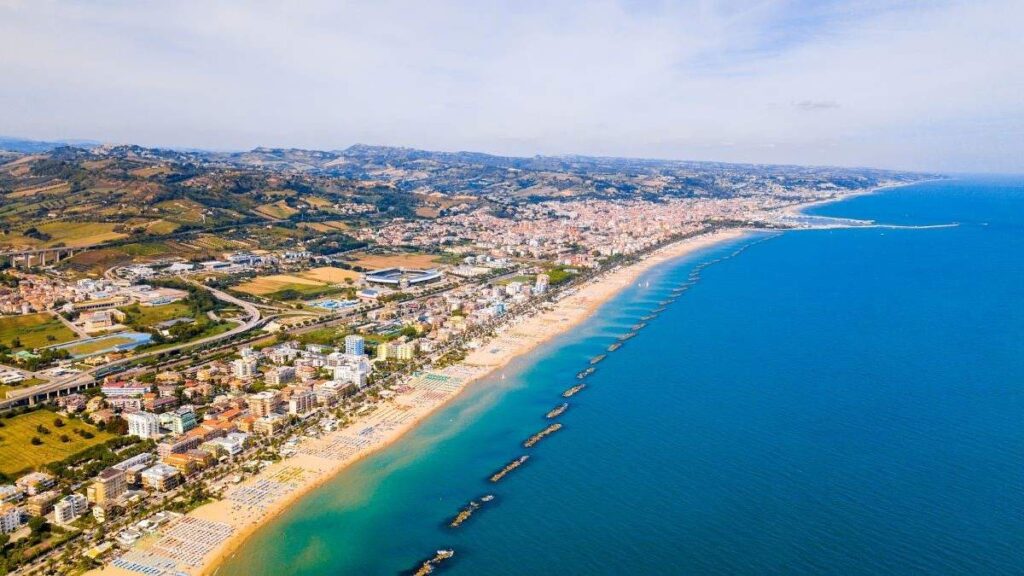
(232, 444)
(69, 508)
(144, 424)
(36, 482)
(10, 494)
(10, 518)
(302, 403)
(280, 376)
(355, 345)
(354, 369)
(244, 368)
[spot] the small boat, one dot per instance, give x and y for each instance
(598, 358)
(614, 346)
(584, 373)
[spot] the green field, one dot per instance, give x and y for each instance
(87, 348)
(144, 249)
(151, 315)
(17, 454)
(33, 330)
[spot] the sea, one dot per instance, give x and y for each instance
(846, 401)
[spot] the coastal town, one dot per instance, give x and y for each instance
(164, 393)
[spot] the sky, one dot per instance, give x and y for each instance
(929, 85)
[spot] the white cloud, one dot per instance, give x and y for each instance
(924, 85)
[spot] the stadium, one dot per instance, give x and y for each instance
(402, 276)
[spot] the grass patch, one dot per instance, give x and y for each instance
(97, 345)
(145, 249)
(18, 454)
(329, 274)
(520, 278)
(162, 227)
(184, 211)
(266, 285)
(80, 233)
(33, 331)
(278, 210)
(4, 389)
(146, 316)
(305, 293)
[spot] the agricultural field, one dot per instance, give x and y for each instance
(161, 227)
(185, 211)
(71, 234)
(209, 242)
(80, 233)
(33, 331)
(329, 274)
(263, 285)
(94, 262)
(318, 202)
(147, 249)
(55, 188)
(289, 286)
(277, 210)
(149, 171)
(378, 261)
(317, 227)
(17, 454)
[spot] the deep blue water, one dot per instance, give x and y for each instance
(827, 402)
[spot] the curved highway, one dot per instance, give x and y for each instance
(85, 378)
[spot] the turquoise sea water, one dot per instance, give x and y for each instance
(827, 402)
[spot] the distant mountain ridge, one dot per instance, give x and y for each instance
(26, 146)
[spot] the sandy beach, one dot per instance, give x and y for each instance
(200, 541)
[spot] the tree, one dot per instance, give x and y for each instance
(37, 524)
(36, 441)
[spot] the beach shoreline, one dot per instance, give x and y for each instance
(800, 209)
(487, 359)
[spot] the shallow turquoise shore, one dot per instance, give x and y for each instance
(827, 402)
